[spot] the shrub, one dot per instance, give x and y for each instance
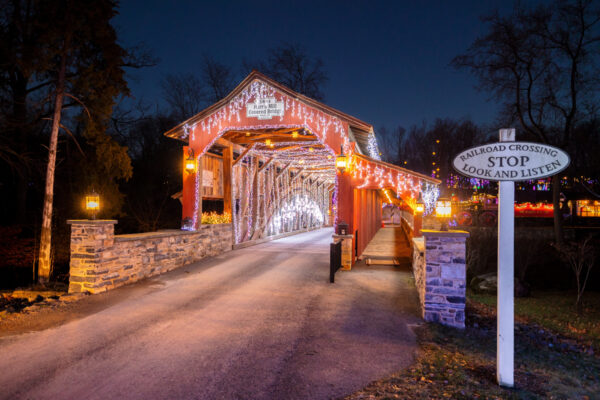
(214, 218)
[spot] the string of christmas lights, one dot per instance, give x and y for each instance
(285, 201)
(372, 147)
(229, 117)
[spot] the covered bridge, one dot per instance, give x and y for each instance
(274, 158)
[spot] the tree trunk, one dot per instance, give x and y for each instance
(558, 222)
(44, 262)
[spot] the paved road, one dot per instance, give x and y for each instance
(256, 323)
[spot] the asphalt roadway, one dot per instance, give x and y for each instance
(256, 323)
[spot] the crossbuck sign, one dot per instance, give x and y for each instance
(508, 161)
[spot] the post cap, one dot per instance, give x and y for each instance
(91, 221)
(431, 232)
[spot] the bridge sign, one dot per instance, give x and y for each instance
(511, 161)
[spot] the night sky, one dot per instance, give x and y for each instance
(387, 63)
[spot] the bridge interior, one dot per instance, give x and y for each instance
(282, 181)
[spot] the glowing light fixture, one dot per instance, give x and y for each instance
(443, 210)
(190, 163)
(341, 162)
(92, 203)
(295, 135)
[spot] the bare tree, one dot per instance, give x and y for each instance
(543, 63)
(292, 66)
(580, 257)
(185, 94)
(217, 78)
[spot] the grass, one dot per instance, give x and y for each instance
(556, 312)
(460, 364)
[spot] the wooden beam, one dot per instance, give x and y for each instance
(243, 154)
(227, 143)
(299, 174)
(315, 146)
(275, 139)
(227, 170)
(265, 164)
(283, 170)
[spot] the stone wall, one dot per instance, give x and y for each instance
(101, 261)
(440, 276)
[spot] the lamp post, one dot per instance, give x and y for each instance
(443, 210)
(92, 203)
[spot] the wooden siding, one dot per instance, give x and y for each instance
(212, 177)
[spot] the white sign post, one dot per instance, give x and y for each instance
(505, 319)
(506, 162)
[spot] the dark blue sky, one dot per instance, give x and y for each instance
(387, 61)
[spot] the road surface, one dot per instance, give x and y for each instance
(257, 323)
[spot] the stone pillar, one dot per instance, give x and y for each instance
(89, 240)
(445, 277)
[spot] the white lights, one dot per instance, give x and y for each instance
(290, 193)
(372, 147)
(429, 194)
(232, 116)
(300, 207)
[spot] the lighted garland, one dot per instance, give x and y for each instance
(370, 175)
(429, 194)
(228, 117)
(372, 147)
(277, 193)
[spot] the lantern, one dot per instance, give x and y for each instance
(92, 203)
(341, 162)
(190, 163)
(420, 205)
(443, 210)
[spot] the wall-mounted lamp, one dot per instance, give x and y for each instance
(341, 162)
(190, 163)
(420, 206)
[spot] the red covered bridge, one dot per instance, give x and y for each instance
(269, 154)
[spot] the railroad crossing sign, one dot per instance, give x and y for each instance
(506, 162)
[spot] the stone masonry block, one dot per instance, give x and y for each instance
(453, 271)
